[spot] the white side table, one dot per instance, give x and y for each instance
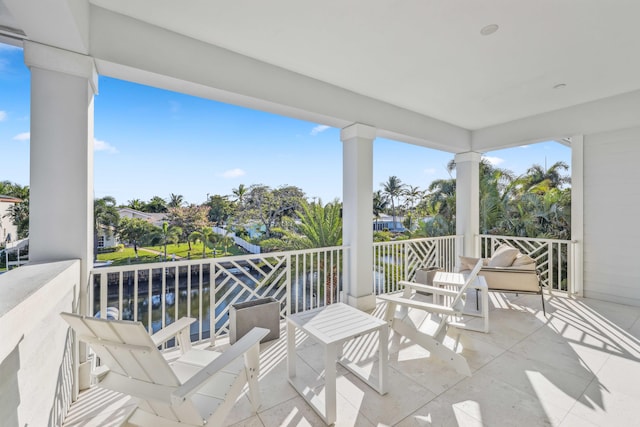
(332, 326)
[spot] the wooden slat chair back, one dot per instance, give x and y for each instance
(452, 306)
(188, 392)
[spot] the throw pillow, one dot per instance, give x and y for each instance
(503, 256)
(522, 259)
(467, 263)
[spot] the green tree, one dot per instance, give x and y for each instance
(240, 194)
(226, 240)
(167, 234)
(105, 218)
(538, 179)
(380, 203)
(270, 207)
(19, 212)
(175, 201)
(156, 205)
(317, 226)
(136, 204)
(220, 209)
(206, 236)
(135, 231)
(412, 195)
(189, 219)
(393, 188)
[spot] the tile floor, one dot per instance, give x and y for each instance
(578, 367)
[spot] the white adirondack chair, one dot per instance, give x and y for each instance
(397, 314)
(200, 387)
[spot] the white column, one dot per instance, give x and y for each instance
(61, 178)
(357, 213)
(468, 201)
(577, 210)
(61, 162)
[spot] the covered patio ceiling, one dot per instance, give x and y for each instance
(420, 71)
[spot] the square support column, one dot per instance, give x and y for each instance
(63, 85)
(577, 213)
(468, 201)
(357, 214)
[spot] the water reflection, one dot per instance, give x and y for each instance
(187, 292)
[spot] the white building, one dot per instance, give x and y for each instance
(8, 231)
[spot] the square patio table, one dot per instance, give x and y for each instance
(332, 326)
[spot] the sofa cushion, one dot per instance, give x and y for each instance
(522, 260)
(503, 256)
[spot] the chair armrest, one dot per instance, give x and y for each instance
(425, 306)
(239, 348)
(171, 330)
(427, 288)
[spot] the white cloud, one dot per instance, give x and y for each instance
(233, 173)
(24, 136)
(3, 116)
(495, 161)
(103, 146)
(525, 146)
(430, 171)
(320, 128)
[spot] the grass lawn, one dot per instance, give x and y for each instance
(127, 255)
(182, 250)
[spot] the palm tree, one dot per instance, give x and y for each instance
(206, 236)
(240, 193)
(175, 201)
(412, 194)
(168, 234)
(156, 205)
(318, 226)
(105, 218)
(136, 204)
(226, 240)
(394, 189)
(538, 179)
(380, 203)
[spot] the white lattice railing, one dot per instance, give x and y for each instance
(399, 260)
(158, 293)
(555, 259)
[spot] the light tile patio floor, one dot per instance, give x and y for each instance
(578, 367)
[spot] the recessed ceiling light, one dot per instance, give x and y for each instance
(489, 29)
(560, 86)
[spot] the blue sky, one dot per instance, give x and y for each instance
(153, 142)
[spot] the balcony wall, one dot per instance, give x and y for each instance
(611, 212)
(36, 351)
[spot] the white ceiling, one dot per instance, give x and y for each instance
(428, 56)
(406, 62)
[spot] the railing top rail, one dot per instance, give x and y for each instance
(535, 239)
(217, 260)
(420, 239)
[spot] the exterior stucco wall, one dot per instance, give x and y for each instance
(612, 215)
(36, 351)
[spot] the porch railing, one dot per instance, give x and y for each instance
(555, 259)
(158, 293)
(399, 260)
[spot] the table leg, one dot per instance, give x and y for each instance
(291, 349)
(485, 307)
(330, 382)
(383, 355)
